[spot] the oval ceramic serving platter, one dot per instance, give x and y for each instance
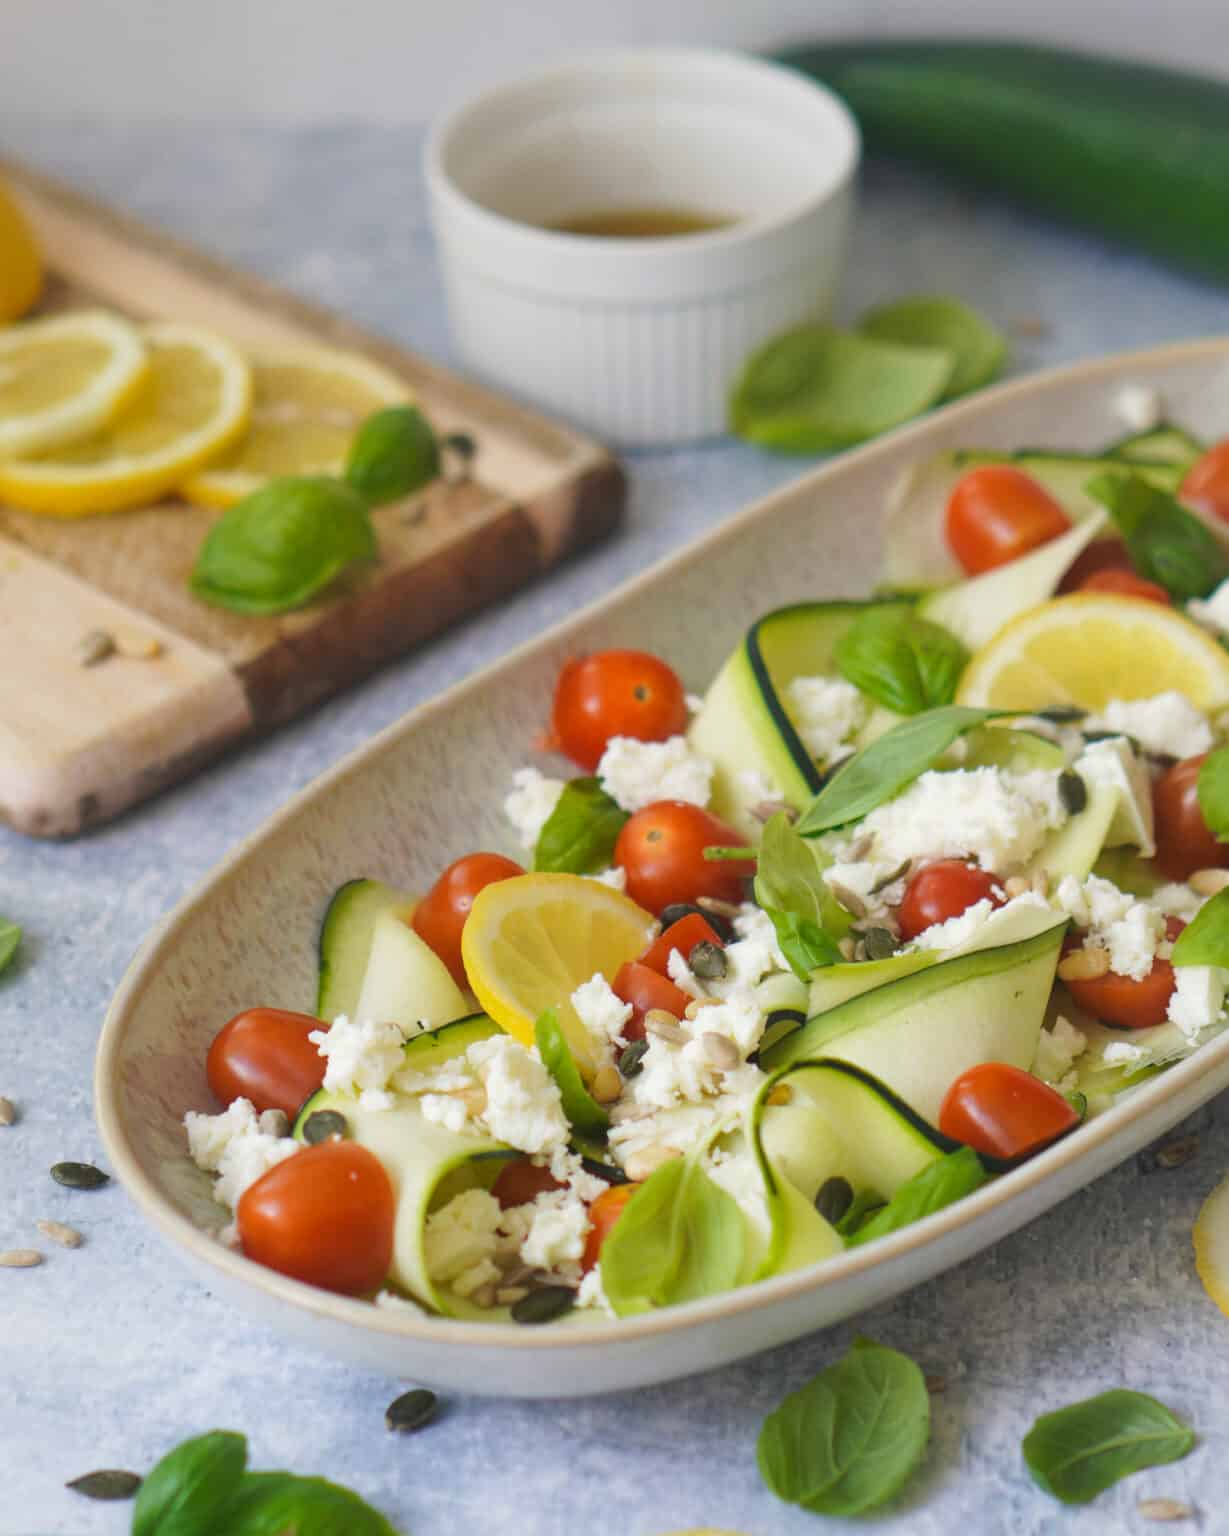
(431, 787)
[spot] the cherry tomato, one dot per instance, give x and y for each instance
(324, 1216)
(1183, 841)
(662, 850)
(522, 1180)
(1100, 555)
(636, 984)
(1206, 483)
(684, 936)
(603, 1214)
(615, 693)
(1003, 1111)
(998, 513)
(264, 1055)
(944, 889)
(1126, 584)
(1124, 1001)
(439, 918)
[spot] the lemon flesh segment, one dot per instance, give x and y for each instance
(1089, 648)
(193, 402)
(1211, 1239)
(21, 262)
(530, 941)
(306, 408)
(65, 377)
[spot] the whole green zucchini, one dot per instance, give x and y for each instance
(1135, 153)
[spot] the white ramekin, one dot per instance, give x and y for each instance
(639, 339)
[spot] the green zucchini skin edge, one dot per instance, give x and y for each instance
(1132, 152)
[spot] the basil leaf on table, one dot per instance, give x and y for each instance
(191, 1489)
(901, 660)
(1167, 544)
(1212, 788)
(271, 1503)
(847, 1441)
(10, 938)
(884, 768)
(789, 886)
(1205, 939)
(282, 545)
(581, 1108)
(979, 350)
(579, 835)
(680, 1237)
(1078, 1451)
(940, 1183)
(394, 453)
(813, 389)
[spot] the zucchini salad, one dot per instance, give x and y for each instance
(919, 884)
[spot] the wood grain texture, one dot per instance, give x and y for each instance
(539, 491)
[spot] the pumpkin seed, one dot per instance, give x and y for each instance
(544, 1305)
(8, 1111)
(79, 1175)
(936, 1384)
(323, 1125)
(95, 646)
(631, 1059)
(1072, 791)
(677, 910)
(412, 1410)
(878, 943)
(899, 873)
(707, 960)
(1062, 714)
(107, 1483)
(20, 1258)
(1175, 1153)
(458, 450)
(67, 1237)
(834, 1199)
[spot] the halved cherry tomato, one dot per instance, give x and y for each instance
(644, 989)
(1128, 1003)
(1183, 841)
(945, 889)
(1206, 483)
(683, 936)
(522, 1180)
(324, 1216)
(1100, 555)
(1003, 1111)
(998, 513)
(264, 1055)
(615, 693)
(662, 850)
(440, 916)
(603, 1214)
(1126, 584)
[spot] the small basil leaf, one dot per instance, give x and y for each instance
(10, 937)
(866, 1202)
(900, 660)
(190, 1490)
(1205, 939)
(1078, 1451)
(1213, 790)
(940, 1183)
(848, 1441)
(884, 768)
(272, 1503)
(583, 1111)
(579, 835)
(979, 350)
(1167, 544)
(282, 545)
(394, 453)
(789, 879)
(803, 942)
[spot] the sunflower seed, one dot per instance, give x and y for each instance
(8, 1111)
(642, 1164)
(847, 948)
(20, 1258)
(721, 908)
(79, 1175)
(607, 1085)
(543, 1306)
(323, 1125)
(721, 1051)
(107, 1483)
(95, 646)
(664, 1026)
(850, 900)
(1208, 882)
(139, 647)
(767, 809)
(1164, 1509)
(412, 1410)
(508, 1295)
(67, 1237)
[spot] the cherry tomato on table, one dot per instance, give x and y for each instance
(1003, 1111)
(324, 1216)
(998, 513)
(615, 693)
(684, 936)
(603, 1214)
(1183, 841)
(1122, 1000)
(1125, 584)
(644, 989)
(942, 890)
(662, 850)
(521, 1180)
(264, 1055)
(440, 916)
(1206, 483)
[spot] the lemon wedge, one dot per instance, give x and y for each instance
(1089, 648)
(21, 263)
(1211, 1239)
(64, 377)
(193, 402)
(529, 942)
(306, 408)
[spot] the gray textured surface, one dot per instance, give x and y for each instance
(110, 1354)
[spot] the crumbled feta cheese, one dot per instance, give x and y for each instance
(682, 975)
(1138, 406)
(639, 773)
(1212, 611)
(1178, 901)
(530, 802)
(615, 878)
(592, 1296)
(523, 1106)
(450, 1111)
(484, 1272)
(826, 711)
(1119, 1053)
(1167, 724)
(957, 930)
(1198, 999)
(602, 1013)
(210, 1135)
(361, 1054)
(864, 879)
(461, 1234)
(754, 926)
(1057, 1050)
(1114, 764)
(694, 703)
(238, 1145)
(1132, 930)
(685, 1072)
(559, 1227)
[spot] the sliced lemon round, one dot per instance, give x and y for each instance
(21, 262)
(193, 402)
(306, 408)
(64, 377)
(529, 942)
(1211, 1239)
(1089, 648)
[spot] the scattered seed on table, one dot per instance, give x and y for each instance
(543, 1306)
(1164, 1509)
(139, 647)
(8, 1111)
(1175, 1153)
(58, 1232)
(20, 1258)
(412, 1410)
(107, 1483)
(95, 646)
(936, 1384)
(79, 1175)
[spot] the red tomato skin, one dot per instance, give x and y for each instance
(263, 1054)
(1206, 483)
(603, 1214)
(1002, 1111)
(942, 890)
(324, 1216)
(645, 989)
(615, 693)
(1126, 584)
(662, 850)
(1100, 555)
(521, 1180)
(1125, 1002)
(440, 916)
(1183, 841)
(997, 513)
(683, 936)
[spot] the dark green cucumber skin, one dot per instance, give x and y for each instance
(1132, 152)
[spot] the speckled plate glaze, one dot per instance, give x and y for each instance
(424, 792)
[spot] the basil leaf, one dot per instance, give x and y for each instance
(680, 1237)
(940, 1183)
(789, 885)
(1212, 787)
(190, 1490)
(394, 453)
(848, 1440)
(579, 835)
(1086, 1447)
(582, 1110)
(282, 545)
(10, 937)
(884, 768)
(979, 350)
(866, 1202)
(1205, 939)
(902, 661)
(271, 1503)
(803, 942)
(1167, 544)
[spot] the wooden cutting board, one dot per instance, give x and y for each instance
(79, 744)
